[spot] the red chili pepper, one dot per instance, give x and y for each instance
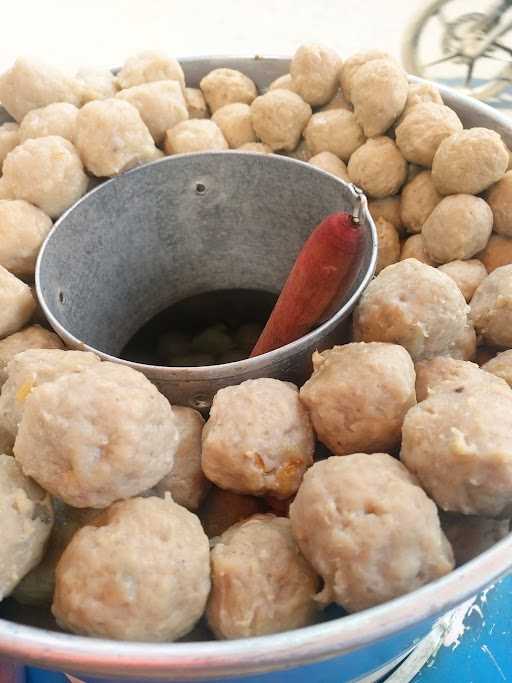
(320, 272)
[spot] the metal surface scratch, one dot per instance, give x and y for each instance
(485, 649)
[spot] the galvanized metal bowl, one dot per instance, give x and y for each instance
(343, 649)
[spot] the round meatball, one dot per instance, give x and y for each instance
(314, 70)
(235, 122)
(352, 64)
(497, 253)
(196, 104)
(111, 137)
(27, 519)
(261, 584)
(222, 509)
(501, 366)
(464, 347)
(28, 370)
(9, 139)
(419, 93)
(55, 119)
(469, 162)
(152, 588)
(186, 482)
(388, 243)
(467, 275)
(149, 66)
(30, 84)
(161, 105)
(414, 248)
(368, 529)
(458, 228)
(379, 92)
(195, 135)
(96, 83)
(459, 444)
(258, 147)
(258, 439)
(279, 117)
(448, 375)
(378, 168)
(17, 303)
(337, 102)
(33, 337)
(94, 437)
(335, 131)
(329, 162)
(301, 152)
(491, 308)
(225, 86)
(499, 198)
(388, 209)
(423, 129)
(23, 228)
(414, 305)
(282, 83)
(46, 172)
(419, 199)
(358, 396)
(470, 536)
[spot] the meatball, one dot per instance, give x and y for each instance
(23, 228)
(448, 375)
(379, 92)
(30, 84)
(17, 303)
(261, 584)
(279, 117)
(358, 396)
(499, 198)
(378, 168)
(419, 199)
(96, 83)
(352, 64)
(301, 152)
(94, 437)
(470, 536)
(423, 129)
(458, 228)
(55, 119)
(186, 482)
(28, 370)
(388, 243)
(33, 337)
(497, 253)
(412, 304)
(195, 135)
(467, 275)
(329, 162)
(196, 104)
(46, 172)
(368, 529)
(314, 70)
(234, 120)
(282, 83)
(491, 308)
(464, 347)
(258, 147)
(469, 162)
(222, 509)
(112, 137)
(336, 131)
(258, 439)
(9, 139)
(337, 102)
(414, 248)
(388, 209)
(161, 105)
(27, 519)
(419, 93)
(501, 366)
(149, 66)
(225, 86)
(459, 444)
(154, 587)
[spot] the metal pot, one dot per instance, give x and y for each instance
(358, 647)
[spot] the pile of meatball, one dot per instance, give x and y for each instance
(134, 519)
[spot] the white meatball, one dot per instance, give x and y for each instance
(368, 529)
(261, 584)
(353, 63)
(500, 365)
(449, 375)
(23, 228)
(55, 119)
(419, 198)
(378, 168)
(33, 337)
(9, 139)
(96, 83)
(94, 437)
(329, 162)
(149, 66)
(195, 135)
(279, 117)
(423, 129)
(225, 86)
(314, 70)
(282, 83)
(196, 104)
(161, 105)
(499, 198)
(491, 308)
(388, 244)
(111, 137)
(46, 172)
(258, 438)
(141, 573)
(467, 275)
(27, 519)
(17, 303)
(335, 131)
(413, 247)
(30, 84)
(235, 122)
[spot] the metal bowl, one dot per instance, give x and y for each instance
(366, 644)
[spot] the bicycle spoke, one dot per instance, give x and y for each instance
(503, 47)
(469, 74)
(442, 60)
